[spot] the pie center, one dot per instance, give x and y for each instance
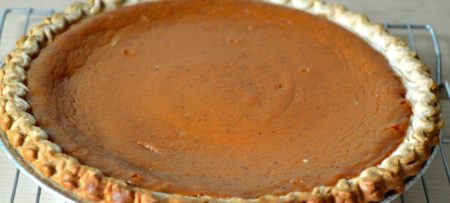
(223, 98)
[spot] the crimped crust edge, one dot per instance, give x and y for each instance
(90, 185)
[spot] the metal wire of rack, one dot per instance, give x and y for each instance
(29, 13)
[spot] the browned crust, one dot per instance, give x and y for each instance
(90, 185)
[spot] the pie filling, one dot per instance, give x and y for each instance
(223, 98)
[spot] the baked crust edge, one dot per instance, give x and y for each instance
(90, 185)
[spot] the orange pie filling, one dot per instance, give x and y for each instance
(223, 98)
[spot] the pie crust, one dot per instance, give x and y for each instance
(89, 184)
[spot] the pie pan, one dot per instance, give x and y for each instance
(416, 153)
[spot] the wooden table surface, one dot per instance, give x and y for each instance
(434, 12)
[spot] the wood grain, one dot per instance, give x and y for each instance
(433, 12)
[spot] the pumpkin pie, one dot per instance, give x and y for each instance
(218, 101)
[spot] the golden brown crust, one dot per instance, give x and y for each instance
(90, 185)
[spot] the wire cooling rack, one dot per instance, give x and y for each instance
(435, 190)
